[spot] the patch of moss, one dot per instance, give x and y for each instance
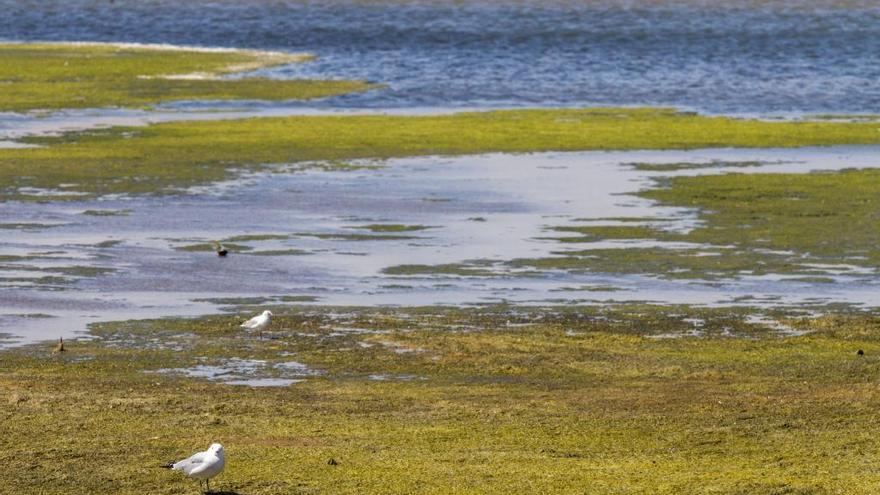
(81, 271)
(505, 401)
(178, 154)
(257, 237)
(592, 233)
(826, 214)
(810, 225)
(52, 76)
(209, 246)
(27, 226)
(392, 227)
(248, 302)
(813, 280)
(280, 252)
(590, 288)
(109, 243)
(297, 298)
(338, 236)
(458, 269)
(107, 213)
(709, 263)
(671, 167)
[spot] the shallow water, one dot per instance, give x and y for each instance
(250, 372)
(63, 268)
(733, 57)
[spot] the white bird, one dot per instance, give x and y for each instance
(202, 465)
(259, 322)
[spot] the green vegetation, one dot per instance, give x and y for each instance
(599, 232)
(53, 76)
(455, 401)
(706, 264)
(108, 244)
(589, 288)
(339, 236)
(671, 167)
(172, 155)
(210, 246)
(392, 227)
(828, 215)
(471, 269)
(72, 270)
(257, 237)
(248, 303)
(28, 226)
(235, 244)
(280, 252)
(806, 225)
(107, 213)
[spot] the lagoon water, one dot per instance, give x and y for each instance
(753, 57)
(71, 263)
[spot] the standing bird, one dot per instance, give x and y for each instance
(201, 465)
(259, 322)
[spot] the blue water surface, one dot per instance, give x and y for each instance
(726, 57)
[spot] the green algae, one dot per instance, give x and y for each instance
(592, 233)
(108, 244)
(339, 236)
(27, 226)
(210, 247)
(455, 269)
(280, 252)
(242, 303)
(392, 227)
(672, 167)
(589, 288)
(498, 401)
(81, 271)
(830, 215)
(55, 76)
(107, 213)
(169, 156)
(72, 270)
(257, 237)
(234, 244)
(807, 226)
(707, 264)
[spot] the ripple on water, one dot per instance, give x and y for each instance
(484, 53)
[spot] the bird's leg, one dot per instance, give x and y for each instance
(207, 485)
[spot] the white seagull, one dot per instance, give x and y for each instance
(202, 465)
(259, 322)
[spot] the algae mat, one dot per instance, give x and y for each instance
(166, 156)
(88, 75)
(438, 400)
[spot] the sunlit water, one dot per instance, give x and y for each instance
(733, 57)
(756, 58)
(492, 208)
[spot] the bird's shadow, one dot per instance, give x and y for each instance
(224, 492)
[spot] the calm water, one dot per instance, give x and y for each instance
(760, 57)
(65, 267)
